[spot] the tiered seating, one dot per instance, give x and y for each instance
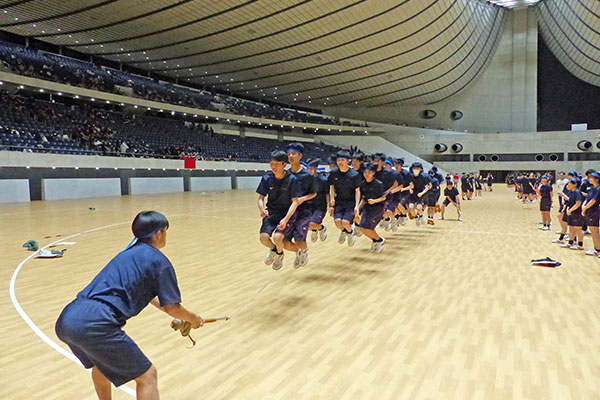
(40, 126)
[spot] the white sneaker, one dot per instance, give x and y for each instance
(278, 263)
(546, 228)
(460, 218)
(270, 257)
(576, 247)
(301, 258)
(388, 225)
(565, 245)
(323, 233)
(557, 240)
(313, 236)
(342, 237)
(441, 218)
(351, 239)
(379, 246)
(382, 223)
(580, 247)
(395, 225)
(592, 252)
(357, 232)
(418, 220)
(404, 221)
(372, 249)
(541, 228)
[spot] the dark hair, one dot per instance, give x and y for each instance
(332, 160)
(147, 223)
(313, 162)
(343, 154)
(278, 155)
(370, 167)
(299, 147)
(358, 156)
(590, 171)
(399, 161)
(379, 156)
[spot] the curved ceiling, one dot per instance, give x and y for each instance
(572, 31)
(309, 52)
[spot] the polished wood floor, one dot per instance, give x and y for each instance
(454, 311)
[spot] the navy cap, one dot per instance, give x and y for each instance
(573, 173)
(574, 180)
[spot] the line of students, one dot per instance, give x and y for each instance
(359, 195)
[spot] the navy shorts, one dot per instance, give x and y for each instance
(575, 219)
(432, 198)
(92, 330)
(344, 210)
(317, 215)
(391, 203)
(299, 227)
(592, 216)
(371, 216)
(403, 198)
(447, 202)
(545, 204)
(270, 222)
(414, 199)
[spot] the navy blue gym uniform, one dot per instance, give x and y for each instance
(388, 177)
(452, 193)
(546, 199)
(419, 183)
(318, 205)
(592, 214)
(306, 182)
(527, 185)
(345, 184)
(92, 323)
(280, 193)
(464, 184)
(403, 178)
(372, 213)
(575, 219)
(433, 195)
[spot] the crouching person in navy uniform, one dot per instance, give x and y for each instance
(91, 325)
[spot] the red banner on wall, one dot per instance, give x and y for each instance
(189, 162)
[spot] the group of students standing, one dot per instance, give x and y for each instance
(360, 194)
(578, 202)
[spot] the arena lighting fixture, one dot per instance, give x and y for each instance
(28, 167)
(195, 115)
(133, 169)
(93, 99)
(76, 96)
(107, 102)
(135, 106)
(53, 167)
(164, 169)
(177, 169)
(115, 168)
(1, 83)
(59, 93)
(149, 169)
(21, 87)
(42, 90)
(97, 168)
(512, 3)
(78, 168)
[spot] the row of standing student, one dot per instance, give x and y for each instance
(359, 195)
(472, 184)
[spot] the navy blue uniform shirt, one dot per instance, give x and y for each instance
(452, 193)
(305, 181)
(133, 278)
(345, 184)
(321, 188)
(546, 190)
(372, 190)
(420, 182)
(387, 177)
(279, 192)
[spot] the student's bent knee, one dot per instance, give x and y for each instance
(148, 377)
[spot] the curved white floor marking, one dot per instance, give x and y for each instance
(32, 324)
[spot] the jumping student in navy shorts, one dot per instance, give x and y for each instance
(451, 196)
(387, 176)
(91, 325)
(319, 203)
(545, 203)
(404, 183)
(345, 196)
(421, 185)
(282, 192)
(591, 212)
(573, 216)
(432, 196)
(372, 206)
(301, 222)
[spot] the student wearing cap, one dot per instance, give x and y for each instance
(281, 190)
(319, 203)
(402, 193)
(372, 206)
(545, 203)
(563, 194)
(388, 178)
(421, 185)
(451, 196)
(299, 230)
(91, 325)
(573, 216)
(591, 212)
(344, 185)
(432, 197)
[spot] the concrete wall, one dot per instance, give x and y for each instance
(155, 185)
(502, 99)
(248, 182)
(14, 190)
(59, 189)
(210, 184)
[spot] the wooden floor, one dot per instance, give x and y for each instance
(454, 311)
